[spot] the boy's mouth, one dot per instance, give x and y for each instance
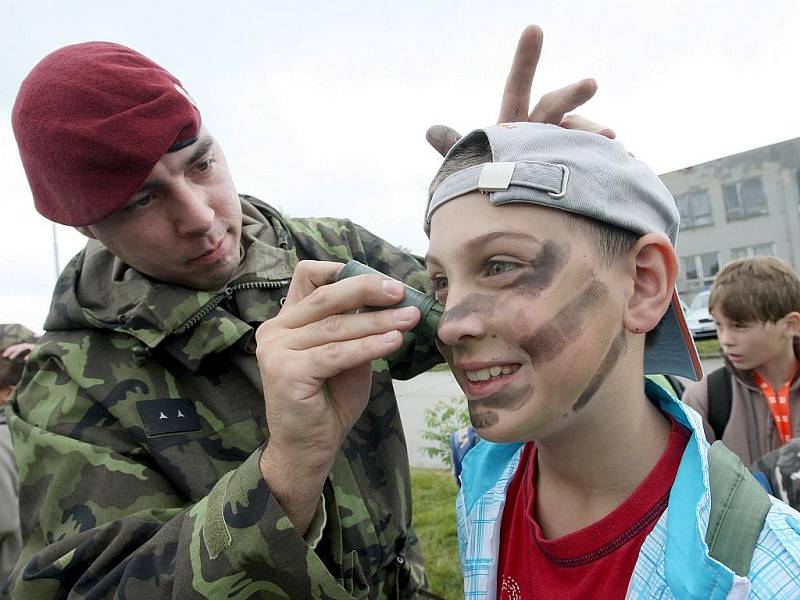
(490, 372)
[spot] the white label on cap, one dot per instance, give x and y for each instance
(496, 176)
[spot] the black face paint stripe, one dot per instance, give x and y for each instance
(508, 399)
(615, 351)
(552, 258)
(473, 303)
(482, 419)
(550, 340)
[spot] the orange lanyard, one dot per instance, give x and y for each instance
(778, 404)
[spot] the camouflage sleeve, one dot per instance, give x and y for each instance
(102, 520)
(340, 239)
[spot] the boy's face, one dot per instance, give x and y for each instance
(751, 345)
(533, 323)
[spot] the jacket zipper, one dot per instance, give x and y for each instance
(219, 298)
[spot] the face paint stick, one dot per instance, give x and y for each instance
(430, 309)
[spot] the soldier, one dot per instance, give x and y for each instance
(153, 463)
(15, 342)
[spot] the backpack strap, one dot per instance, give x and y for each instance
(676, 384)
(720, 392)
(739, 507)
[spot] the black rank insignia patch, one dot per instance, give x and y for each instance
(168, 415)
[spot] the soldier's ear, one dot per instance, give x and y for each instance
(84, 229)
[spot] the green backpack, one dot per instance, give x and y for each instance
(739, 505)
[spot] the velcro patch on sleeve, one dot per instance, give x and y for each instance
(168, 415)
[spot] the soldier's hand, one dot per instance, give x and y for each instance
(514, 107)
(18, 350)
(314, 359)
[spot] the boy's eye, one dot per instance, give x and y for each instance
(438, 286)
(498, 267)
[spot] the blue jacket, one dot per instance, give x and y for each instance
(673, 561)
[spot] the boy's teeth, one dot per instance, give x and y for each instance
(486, 374)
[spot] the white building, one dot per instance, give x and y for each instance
(747, 204)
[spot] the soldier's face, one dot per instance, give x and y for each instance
(184, 224)
(533, 322)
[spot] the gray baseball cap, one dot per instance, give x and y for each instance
(586, 174)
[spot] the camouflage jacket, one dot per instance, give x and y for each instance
(139, 423)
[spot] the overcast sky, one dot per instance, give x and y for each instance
(322, 107)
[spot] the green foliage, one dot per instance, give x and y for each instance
(433, 493)
(440, 421)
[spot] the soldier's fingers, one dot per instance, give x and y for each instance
(309, 275)
(442, 138)
(342, 327)
(331, 359)
(584, 124)
(17, 350)
(340, 297)
(517, 92)
(552, 107)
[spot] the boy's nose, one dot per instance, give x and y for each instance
(724, 338)
(460, 324)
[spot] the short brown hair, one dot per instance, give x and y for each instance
(759, 289)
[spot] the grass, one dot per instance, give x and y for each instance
(434, 493)
(708, 348)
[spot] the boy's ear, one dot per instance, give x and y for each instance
(84, 229)
(653, 267)
(792, 324)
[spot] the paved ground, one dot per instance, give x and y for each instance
(422, 392)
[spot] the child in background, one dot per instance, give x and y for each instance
(553, 251)
(756, 304)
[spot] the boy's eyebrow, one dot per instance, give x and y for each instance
(476, 243)
(482, 240)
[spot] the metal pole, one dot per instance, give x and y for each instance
(55, 251)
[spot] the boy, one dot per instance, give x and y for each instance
(558, 271)
(756, 304)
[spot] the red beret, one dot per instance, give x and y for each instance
(91, 121)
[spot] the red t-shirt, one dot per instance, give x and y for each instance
(594, 562)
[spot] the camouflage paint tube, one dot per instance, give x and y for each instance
(430, 309)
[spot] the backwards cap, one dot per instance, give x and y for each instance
(586, 174)
(91, 121)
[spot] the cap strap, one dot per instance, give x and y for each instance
(494, 177)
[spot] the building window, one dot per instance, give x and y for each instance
(745, 199)
(695, 209)
(701, 268)
(757, 250)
